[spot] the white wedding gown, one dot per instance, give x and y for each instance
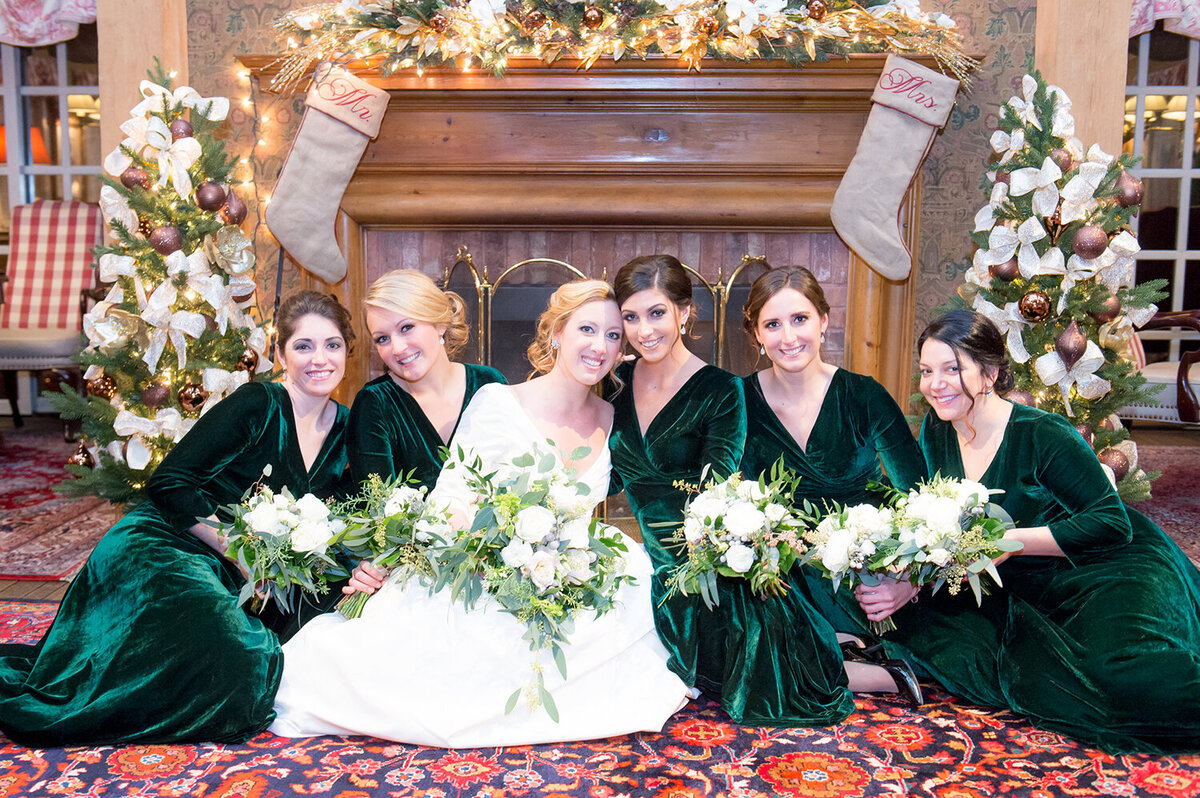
(420, 669)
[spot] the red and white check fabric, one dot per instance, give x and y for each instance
(49, 263)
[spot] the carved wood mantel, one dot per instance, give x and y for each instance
(636, 146)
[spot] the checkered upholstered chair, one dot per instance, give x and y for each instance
(1173, 383)
(49, 267)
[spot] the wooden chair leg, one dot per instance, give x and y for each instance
(10, 389)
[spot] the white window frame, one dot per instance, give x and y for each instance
(1185, 173)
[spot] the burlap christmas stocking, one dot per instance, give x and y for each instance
(911, 104)
(343, 114)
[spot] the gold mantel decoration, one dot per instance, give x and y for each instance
(403, 34)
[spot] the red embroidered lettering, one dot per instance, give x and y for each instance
(902, 83)
(340, 91)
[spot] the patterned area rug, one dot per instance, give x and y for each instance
(948, 749)
(43, 535)
(1175, 500)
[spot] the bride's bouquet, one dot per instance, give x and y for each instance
(537, 552)
(391, 524)
(738, 528)
(281, 542)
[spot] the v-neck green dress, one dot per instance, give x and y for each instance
(149, 644)
(858, 427)
(1102, 644)
(389, 433)
(744, 652)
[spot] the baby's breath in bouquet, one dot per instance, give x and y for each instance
(281, 542)
(537, 552)
(391, 524)
(738, 528)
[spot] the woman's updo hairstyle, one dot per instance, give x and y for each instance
(566, 299)
(771, 283)
(311, 303)
(972, 334)
(416, 296)
(663, 272)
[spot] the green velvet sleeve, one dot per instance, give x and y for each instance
(894, 442)
(217, 439)
(724, 433)
(370, 437)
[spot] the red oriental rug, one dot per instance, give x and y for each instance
(947, 749)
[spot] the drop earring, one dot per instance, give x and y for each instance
(822, 337)
(554, 344)
(762, 350)
(442, 340)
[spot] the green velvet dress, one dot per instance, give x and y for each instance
(858, 427)
(1102, 644)
(389, 434)
(743, 652)
(149, 644)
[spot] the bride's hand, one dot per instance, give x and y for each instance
(365, 579)
(880, 601)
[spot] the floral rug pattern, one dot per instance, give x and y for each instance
(948, 749)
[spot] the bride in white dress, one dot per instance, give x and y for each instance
(418, 668)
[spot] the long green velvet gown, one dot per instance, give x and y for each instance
(149, 644)
(389, 434)
(741, 652)
(858, 427)
(1102, 644)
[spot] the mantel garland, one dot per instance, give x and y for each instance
(403, 34)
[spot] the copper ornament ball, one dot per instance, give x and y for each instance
(1071, 344)
(592, 18)
(439, 22)
(708, 25)
(1086, 432)
(1006, 271)
(210, 196)
(192, 397)
(135, 177)
(156, 394)
(817, 10)
(181, 129)
(1020, 397)
(82, 457)
(1063, 159)
(534, 20)
(103, 386)
(247, 360)
(1034, 306)
(1108, 424)
(1112, 309)
(234, 211)
(166, 239)
(1116, 460)
(1090, 242)
(1004, 177)
(1129, 190)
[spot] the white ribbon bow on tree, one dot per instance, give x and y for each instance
(1079, 193)
(1007, 144)
(199, 277)
(219, 382)
(167, 422)
(114, 266)
(257, 341)
(215, 108)
(1042, 182)
(1120, 272)
(1053, 371)
(1023, 106)
(1010, 322)
(167, 325)
(1075, 270)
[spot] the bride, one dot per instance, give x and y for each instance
(418, 668)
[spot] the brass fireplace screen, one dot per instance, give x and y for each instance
(502, 312)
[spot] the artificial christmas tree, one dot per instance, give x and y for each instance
(1055, 272)
(176, 330)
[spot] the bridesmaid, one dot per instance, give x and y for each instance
(675, 416)
(1096, 632)
(149, 644)
(833, 428)
(400, 420)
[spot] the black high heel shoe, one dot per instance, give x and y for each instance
(858, 651)
(906, 680)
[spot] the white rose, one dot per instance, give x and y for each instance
(775, 512)
(577, 566)
(739, 557)
(517, 553)
(836, 553)
(310, 537)
(707, 506)
(403, 499)
(425, 530)
(750, 489)
(972, 494)
(543, 570)
(563, 498)
(263, 518)
(870, 521)
(311, 508)
(534, 523)
(574, 533)
(939, 556)
(693, 530)
(744, 519)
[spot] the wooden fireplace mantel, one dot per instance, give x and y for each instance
(633, 145)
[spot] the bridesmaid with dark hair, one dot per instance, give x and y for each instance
(149, 644)
(1096, 632)
(838, 431)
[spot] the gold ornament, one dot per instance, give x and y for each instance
(247, 360)
(1034, 306)
(192, 397)
(145, 227)
(103, 386)
(534, 20)
(439, 22)
(1116, 460)
(816, 10)
(82, 457)
(707, 25)
(593, 18)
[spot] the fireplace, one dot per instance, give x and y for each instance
(504, 188)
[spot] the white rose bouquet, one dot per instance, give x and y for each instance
(281, 542)
(742, 529)
(537, 552)
(390, 523)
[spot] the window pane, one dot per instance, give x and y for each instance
(1131, 63)
(86, 188)
(1191, 285)
(1154, 270)
(1160, 213)
(39, 67)
(85, 129)
(1168, 58)
(1193, 233)
(41, 144)
(1163, 144)
(82, 58)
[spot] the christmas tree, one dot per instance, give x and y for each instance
(176, 330)
(1055, 271)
